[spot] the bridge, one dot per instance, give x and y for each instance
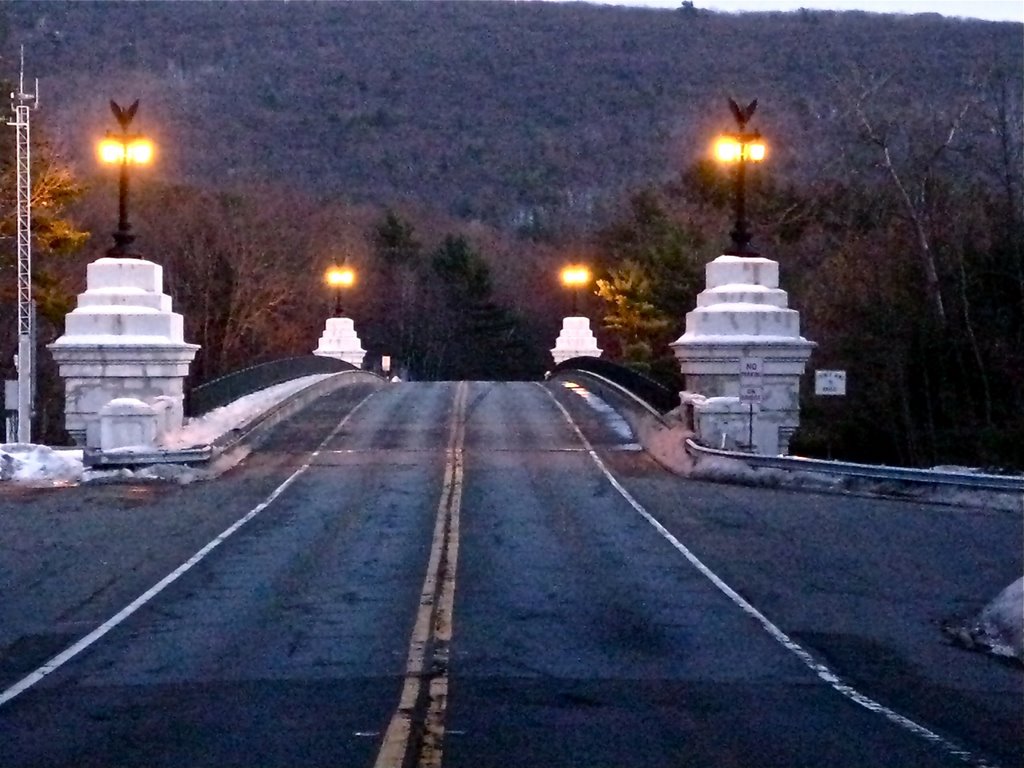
(477, 574)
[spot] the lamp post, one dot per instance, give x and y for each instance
(124, 149)
(573, 277)
(741, 147)
(339, 278)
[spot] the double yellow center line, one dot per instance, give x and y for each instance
(432, 632)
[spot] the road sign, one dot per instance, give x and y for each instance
(751, 380)
(830, 383)
(11, 394)
(751, 393)
(385, 363)
(751, 366)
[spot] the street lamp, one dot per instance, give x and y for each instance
(124, 149)
(573, 277)
(339, 278)
(741, 147)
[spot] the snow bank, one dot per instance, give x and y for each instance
(723, 469)
(998, 628)
(204, 429)
(168, 473)
(42, 466)
(1001, 622)
(39, 465)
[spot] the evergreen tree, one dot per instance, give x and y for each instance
(652, 279)
(476, 338)
(396, 282)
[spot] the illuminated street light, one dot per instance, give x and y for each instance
(339, 278)
(124, 149)
(574, 277)
(741, 148)
(138, 152)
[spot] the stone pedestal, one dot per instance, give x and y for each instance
(743, 314)
(122, 341)
(340, 340)
(575, 340)
(127, 423)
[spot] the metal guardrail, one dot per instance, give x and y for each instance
(975, 480)
(660, 397)
(230, 387)
(662, 400)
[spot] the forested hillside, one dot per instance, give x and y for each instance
(516, 113)
(459, 153)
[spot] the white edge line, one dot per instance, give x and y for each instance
(76, 648)
(821, 670)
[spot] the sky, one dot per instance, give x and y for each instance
(993, 10)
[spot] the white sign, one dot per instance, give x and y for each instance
(751, 366)
(751, 393)
(385, 363)
(831, 383)
(751, 380)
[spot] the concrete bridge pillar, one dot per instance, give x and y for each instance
(122, 341)
(340, 340)
(575, 340)
(743, 316)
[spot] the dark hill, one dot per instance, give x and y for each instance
(493, 110)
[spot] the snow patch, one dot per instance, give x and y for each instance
(998, 628)
(609, 415)
(1002, 621)
(204, 429)
(723, 469)
(172, 473)
(40, 465)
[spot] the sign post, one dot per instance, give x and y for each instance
(830, 384)
(751, 390)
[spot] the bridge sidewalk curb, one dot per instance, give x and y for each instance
(234, 445)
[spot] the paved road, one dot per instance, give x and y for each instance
(448, 574)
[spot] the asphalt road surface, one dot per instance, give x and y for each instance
(475, 575)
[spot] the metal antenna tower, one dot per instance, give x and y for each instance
(21, 103)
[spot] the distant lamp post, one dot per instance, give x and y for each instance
(573, 278)
(339, 278)
(741, 147)
(124, 149)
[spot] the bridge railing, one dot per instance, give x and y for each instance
(230, 387)
(657, 395)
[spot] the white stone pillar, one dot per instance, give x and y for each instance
(575, 340)
(121, 341)
(741, 314)
(340, 340)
